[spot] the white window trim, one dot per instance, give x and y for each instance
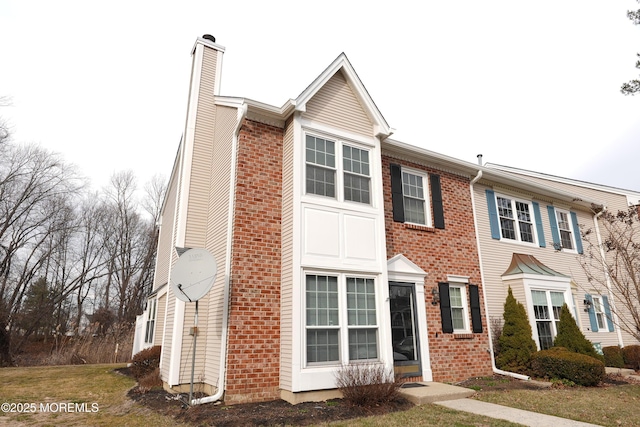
(152, 313)
(605, 327)
(427, 194)
(548, 285)
(343, 326)
(465, 307)
(518, 238)
(573, 250)
(339, 167)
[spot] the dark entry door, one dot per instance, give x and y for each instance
(404, 329)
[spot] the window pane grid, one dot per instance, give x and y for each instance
(323, 345)
(321, 161)
(322, 301)
(356, 188)
(363, 344)
(414, 210)
(361, 302)
(565, 230)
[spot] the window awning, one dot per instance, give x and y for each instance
(528, 264)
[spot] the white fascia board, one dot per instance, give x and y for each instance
(633, 197)
(209, 43)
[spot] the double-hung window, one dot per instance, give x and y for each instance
(564, 227)
(516, 219)
(340, 315)
(601, 317)
(321, 166)
(337, 170)
(414, 194)
(546, 309)
(459, 314)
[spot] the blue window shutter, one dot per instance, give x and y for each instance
(607, 311)
(493, 215)
(539, 228)
(576, 232)
(555, 234)
(592, 314)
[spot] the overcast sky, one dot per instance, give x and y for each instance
(533, 85)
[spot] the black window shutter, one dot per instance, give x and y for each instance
(396, 193)
(474, 302)
(436, 201)
(445, 308)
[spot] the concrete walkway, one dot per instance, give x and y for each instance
(455, 397)
(532, 419)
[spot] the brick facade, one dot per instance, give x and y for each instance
(442, 252)
(253, 362)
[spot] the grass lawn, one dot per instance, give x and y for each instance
(103, 393)
(97, 386)
(606, 406)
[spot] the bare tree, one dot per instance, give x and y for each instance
(131, 244)
(613, 262)
(632, 86)
(35, 186)
(4, 127)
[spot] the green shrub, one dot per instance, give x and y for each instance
(631, 355)
(613, 356)
(145, 362)
(562, 364)
(368, 384)
(516, 342)
(570, 336)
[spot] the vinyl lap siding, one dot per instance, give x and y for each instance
(202, 152)
(165, 246)
(286, 302)
(336, 105)
(159, 325)
(496, 258)
(216, 238)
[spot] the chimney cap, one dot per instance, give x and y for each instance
(209, 37)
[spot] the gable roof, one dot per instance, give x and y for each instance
(342, 64)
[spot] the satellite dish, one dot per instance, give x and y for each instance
(193, 274)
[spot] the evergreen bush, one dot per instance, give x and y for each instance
(516, 342)
(570, 336)
(145, 362)
(560, 363)
(631, 355)
(613, 356)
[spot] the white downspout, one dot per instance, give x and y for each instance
(612, 302)
(242, 114)
(484, 293)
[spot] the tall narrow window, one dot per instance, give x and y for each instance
(414, 198)
(362, 321)
(601, 318)
(322, 319)
(321, 166)
(564, 226)
(458, 307)
(151, 320)
(356, 174)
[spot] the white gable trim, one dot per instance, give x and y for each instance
(401, 266)
(341, 63)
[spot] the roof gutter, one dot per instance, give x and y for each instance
(484, 294)
(242, 114)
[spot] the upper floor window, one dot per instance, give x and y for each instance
(413, 191)
(566, 235)
(516, 219)
(356, 174)
(321, 166)
(324, 174)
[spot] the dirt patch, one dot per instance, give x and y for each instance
(272, 413)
